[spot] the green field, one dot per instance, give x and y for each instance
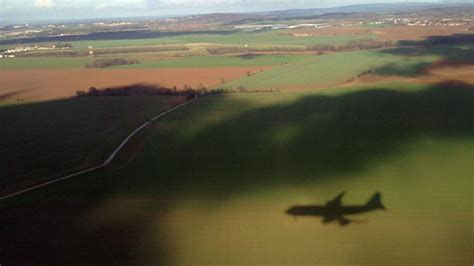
(151, 62)
(44, 62)
(197, 44)
(332, 69)
(41, 141)
(376, 26)
(218, 61)
(212, 182)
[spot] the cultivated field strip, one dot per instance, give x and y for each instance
(105, 163)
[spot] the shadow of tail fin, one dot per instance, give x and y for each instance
(375, 202)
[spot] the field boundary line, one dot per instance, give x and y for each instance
(106, 162)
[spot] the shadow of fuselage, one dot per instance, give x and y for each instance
(334, 211)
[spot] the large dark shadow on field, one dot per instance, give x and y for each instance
(453, 47)
(65, 224)
(40, 141)
(54, 232)
(311, 139)
(63, 231)
(453, 50)
(404, 70)
(316, 138)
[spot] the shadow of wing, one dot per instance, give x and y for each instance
(339, 218)
(343, 221)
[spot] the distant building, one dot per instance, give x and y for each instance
(278, 27)
(308, 25)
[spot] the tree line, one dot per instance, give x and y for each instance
(152, 90)
(236, 49)
(142, 90)
(108, 62)
(353, 45)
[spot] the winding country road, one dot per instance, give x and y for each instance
(105, 163)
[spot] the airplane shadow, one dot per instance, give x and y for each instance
(334, 211)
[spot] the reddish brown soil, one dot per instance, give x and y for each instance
(432, 76)
(38, 85)
(438, 72)
(391, 33)
(397, 33)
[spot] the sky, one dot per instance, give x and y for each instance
(17, 10)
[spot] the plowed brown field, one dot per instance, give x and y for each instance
(432, 76)
(398, 33)
(389, 33)
(334, 31)
(38, 85)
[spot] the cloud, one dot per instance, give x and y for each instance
(44, 3)
(101, 4)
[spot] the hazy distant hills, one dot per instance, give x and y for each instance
(433, 10)
(366, 8)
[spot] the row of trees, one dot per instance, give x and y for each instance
(108, 62)
(142, 90)
(148, 90)
(351, 79)
(353, 45)
(236, 49)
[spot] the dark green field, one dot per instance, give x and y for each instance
(43, 141)
(212, 182)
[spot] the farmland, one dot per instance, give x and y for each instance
(236, 38)
(283, 111)
(220, 61)
(333, 70)
(163, 62)
(286, 149)
(265, 37)
(44, 84)
(44, 63)
(80, 140)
